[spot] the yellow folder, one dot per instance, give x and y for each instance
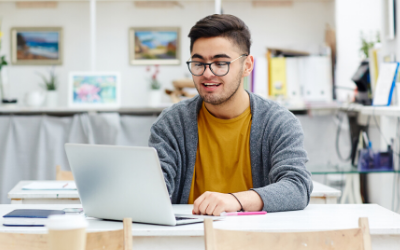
(277, 86)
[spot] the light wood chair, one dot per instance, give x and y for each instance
(108, 240)
(62, 175)
(346, 239)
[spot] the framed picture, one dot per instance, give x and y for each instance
(94, 89)
(149, 46)
(36, 46)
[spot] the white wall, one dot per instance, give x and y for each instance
(300, 26)
(353, 17)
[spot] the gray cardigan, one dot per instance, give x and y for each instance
(276, 152)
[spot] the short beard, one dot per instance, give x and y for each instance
(220, 100)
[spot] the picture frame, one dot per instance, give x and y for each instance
(37, 45)
(94, 89)
(154, 46)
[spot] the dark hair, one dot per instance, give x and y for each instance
(223, 25)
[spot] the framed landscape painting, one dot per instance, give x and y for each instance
(150, 46)
(94, 89)
(36, 46)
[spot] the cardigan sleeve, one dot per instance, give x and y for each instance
(164, 143)
(290, 184)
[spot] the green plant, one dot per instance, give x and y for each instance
(3, 61)
(367, 45)
(154, 83)
(51, 83)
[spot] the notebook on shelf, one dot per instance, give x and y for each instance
(29, 217)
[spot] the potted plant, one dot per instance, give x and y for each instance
(155, 88)
(50, 85)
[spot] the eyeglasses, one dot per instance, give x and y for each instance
(217, 68)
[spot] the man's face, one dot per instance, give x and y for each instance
(214, 89)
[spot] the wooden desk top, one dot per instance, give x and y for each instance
(314, 217)
(319, 190)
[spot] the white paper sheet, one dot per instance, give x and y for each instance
(67, 185)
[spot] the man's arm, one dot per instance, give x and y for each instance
(166, 153)
(290, 183)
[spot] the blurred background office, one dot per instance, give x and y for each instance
(101, 71)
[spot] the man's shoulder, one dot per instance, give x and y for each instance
(268, 109)
(185, 109)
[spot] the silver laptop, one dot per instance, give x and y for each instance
(115, 182)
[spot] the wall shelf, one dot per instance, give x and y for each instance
(316, 109)
(65, 111)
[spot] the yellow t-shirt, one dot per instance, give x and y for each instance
(223, 155)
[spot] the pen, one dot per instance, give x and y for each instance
(66, 184)
(243, 213)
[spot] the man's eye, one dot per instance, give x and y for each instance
(198, 64)
(220, 64)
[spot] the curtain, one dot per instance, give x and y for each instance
(31, 146)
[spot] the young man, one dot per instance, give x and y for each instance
(226, 149)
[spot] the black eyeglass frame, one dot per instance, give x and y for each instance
(209, 65)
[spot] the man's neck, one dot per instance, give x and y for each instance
(232, 108)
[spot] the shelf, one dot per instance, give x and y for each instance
(70, 111)
(345, 169)
(372, 110)
(317, 109)
(386, 111)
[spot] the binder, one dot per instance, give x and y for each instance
(277, 77)
(374, 67)
(260, 77)
(316, 78)
(293, 79)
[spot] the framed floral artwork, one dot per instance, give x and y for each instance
(94, 89)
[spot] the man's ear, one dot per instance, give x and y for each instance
(248, 65)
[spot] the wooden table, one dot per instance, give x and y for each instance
(384, 225)
(321, 195)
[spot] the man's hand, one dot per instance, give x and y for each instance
(213, 203)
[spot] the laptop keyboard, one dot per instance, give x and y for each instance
(184, 218)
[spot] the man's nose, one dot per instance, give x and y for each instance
(208, 73)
